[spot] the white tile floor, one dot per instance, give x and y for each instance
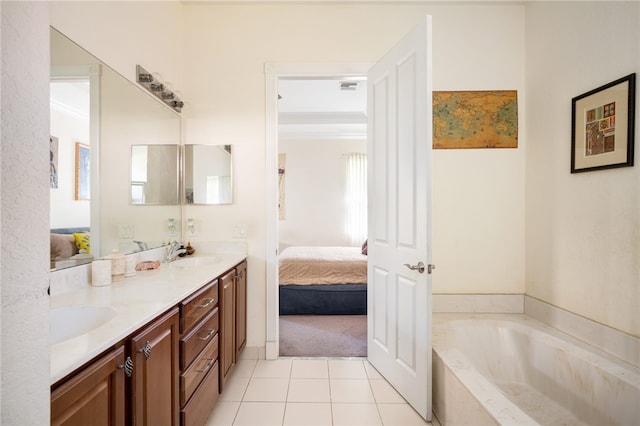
(317, 391)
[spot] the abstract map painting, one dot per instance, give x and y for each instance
(475, 119)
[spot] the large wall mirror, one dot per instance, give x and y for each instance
(208, 174)
(97, 115)
(154, 174)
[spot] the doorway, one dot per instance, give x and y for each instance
(322, 216)
(275, 74)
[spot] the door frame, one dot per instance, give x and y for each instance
(92, 73)
(273, 72)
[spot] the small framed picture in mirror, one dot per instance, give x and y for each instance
(83, 155)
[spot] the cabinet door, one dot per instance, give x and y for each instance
(227, 324)
(94, 396)
(241, 307)
(154, 383)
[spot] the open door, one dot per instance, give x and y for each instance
(399, 271)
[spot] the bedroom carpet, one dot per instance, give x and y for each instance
(323, 335)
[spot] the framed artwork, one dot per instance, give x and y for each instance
(82, 171)
(475, 119)
(602, 126)
(53, 162)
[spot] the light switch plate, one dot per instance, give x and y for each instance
(239, 231)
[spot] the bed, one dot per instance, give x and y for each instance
(323, 281)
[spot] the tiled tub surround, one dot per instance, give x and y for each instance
(512, 369)
(136, 300)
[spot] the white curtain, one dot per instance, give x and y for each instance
(356, 197)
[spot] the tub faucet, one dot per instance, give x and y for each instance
(173, 251)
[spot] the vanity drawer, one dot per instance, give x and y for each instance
(199, 408)
(193, 343)
(204, 363)
(198, 305)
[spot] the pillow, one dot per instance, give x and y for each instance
(364, 247)
(63, 246)
(83, 242)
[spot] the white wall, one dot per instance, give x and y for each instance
(24, 212)
(478, 194)
(315, 180)
(66, 211)
(583, 230)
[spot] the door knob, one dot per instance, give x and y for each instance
(419, 267)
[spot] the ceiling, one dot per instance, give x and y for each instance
(70, 96)
(329, 108)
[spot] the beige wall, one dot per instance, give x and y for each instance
(478, 194)
(315, 182)
(481, 201)
(125, 33)
(583, 230)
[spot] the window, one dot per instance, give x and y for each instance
(356, 197)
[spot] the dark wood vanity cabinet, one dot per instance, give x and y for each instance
(94, 396)
(154, 382)
(233, 323)
(199, 325)
(169, 372)
(102, 394)
(241, 307)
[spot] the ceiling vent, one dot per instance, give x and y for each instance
(348, 85)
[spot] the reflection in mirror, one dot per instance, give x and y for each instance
(207, 174)
(122, 115)
(154, 174)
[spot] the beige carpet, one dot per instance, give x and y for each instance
(323, 335)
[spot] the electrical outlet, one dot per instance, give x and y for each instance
(191, 227)
(125, 231)
(239, 231)
(171, 227)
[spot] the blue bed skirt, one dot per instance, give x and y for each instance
(323, 299)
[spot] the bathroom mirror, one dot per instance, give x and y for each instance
(208, 174)
(118, 114)
(154, 174)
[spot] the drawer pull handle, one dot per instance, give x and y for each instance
(146, 351)
(127, 367)
(208, 302)
(207, 367)
(208, 336)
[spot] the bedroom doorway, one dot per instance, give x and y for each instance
(322, 216)
(399, 301)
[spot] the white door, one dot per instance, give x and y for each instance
(399, 150)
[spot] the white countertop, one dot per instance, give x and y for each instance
(136, 300)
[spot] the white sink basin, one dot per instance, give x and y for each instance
(73, 321)
(190, 262)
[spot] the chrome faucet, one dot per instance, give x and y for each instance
(173, 251)
(141, 245)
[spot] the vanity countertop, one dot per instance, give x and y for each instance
(136, 300)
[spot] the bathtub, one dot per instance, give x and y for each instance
(513, 370)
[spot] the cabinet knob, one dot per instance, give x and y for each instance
(146, 351)
(127, 367)
(240, 275)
